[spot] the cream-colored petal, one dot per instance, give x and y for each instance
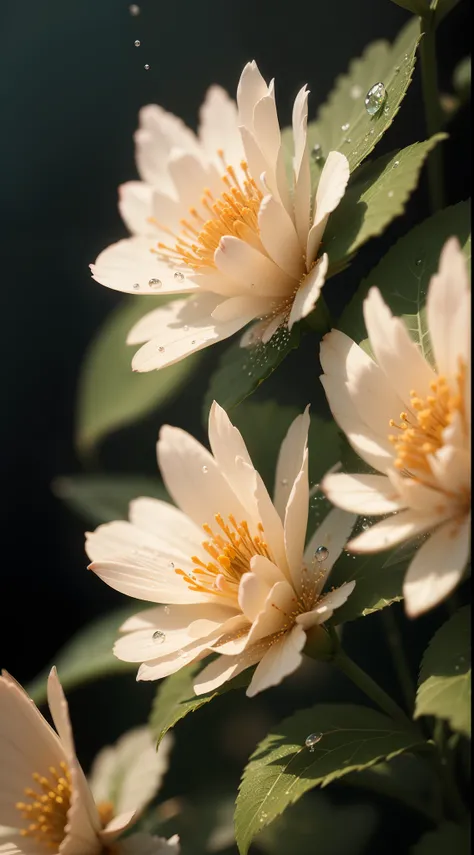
(326, 606)
(362, 494)
(331, 188)
(449, 311)
(194, 479)
(333, 533)
(130, 773)
(308, 293)
(252, 269)
(266, 570)
(167, 523)
(129, 266)
(437, 567)
(180, 328)
(241, 306)
(251, 88)
(159, 668)
(266, 127)
(269, 329)
(191, 176)
(253, 591)
(158, 133)
(296, 520)
(219, 127)
(230, 451)
(302, 176)
(27, 745)
(452, 469)
(420, 497)
(391, 531)
(398, 356)
(255, 160)
(290, 460)
(283, 657)
(275, 614)
(279, 237)
(135, 206)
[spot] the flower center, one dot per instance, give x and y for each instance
(234, 213)
(47, 807)
(420, 433)
(230, 551)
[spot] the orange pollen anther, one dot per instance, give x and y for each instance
(234, 213)
(420, 432)
(47, 806)
(230, 551)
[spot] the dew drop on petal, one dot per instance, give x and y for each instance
(158, 637)
(171, 565)
(155, 283)
(136, 286)
(375, 99)
(204, 470)
(193, 341)
(321, 553)
(167, 610)
(161, 349)
(313, 740)
(178, 276)
(185, 328)
(284, 482)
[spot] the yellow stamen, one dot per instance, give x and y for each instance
(230, 551)
(420, 433)
(106, 812)
(234, 213)
(47, 806)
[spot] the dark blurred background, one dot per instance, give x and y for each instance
(71, 85)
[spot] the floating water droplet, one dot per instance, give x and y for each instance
(356, 91)
(158, 637)
(178, 276)
(137, 43)
(345, 126)
(134, 10)
(321, 553)
(375, 98)
(316, 152)
(161, 349)
(155, 283)
(205, 469)
(313, 740)
(136, 286)
(146, 67)
(396, 163)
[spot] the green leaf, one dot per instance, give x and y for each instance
(376, 587)
(110, 395)
(404, 273)
(418, 7)
(241, 370)
(448, 837)
(381, 62)
(103, 498)
(444, 688)
(176, 698)
(87, 656)
(374, 199)
(340, 829)
(282, 769)
(264, 424)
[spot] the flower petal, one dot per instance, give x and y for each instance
(279, 237)
(391, 531)
(129, 263)
(290, 460)
(145, 844)
(135, 206)
(333, 533)
(362, 494)
(283, 657)
(308, 293)
(296, 520)
(251, 88)
(302, 185)
(253, 591)
(437, 567)
(219, 127)
(326, 606)
(252, 269)
(448, 308)
(159, 132)
(331, 188)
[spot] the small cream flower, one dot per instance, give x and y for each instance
(224, 222)
(249, 591)
(45, 798)
(412, 423)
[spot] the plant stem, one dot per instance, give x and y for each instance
(433, 112)
(399, 659)
(370, 687)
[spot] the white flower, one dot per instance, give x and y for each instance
(412, 423)
(224, 222)
(45, 799)
(249, 591)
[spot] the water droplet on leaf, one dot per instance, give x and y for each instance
(375, 99)
(345, 126)
(313, 740)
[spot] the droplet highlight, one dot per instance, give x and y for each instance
(137, 42)
(146, 67)
(313, 740)
(205, 470)
(375, 99)
(155, 283)
(178, 276)
(321, 553)
(345, 126)
(158, 637)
